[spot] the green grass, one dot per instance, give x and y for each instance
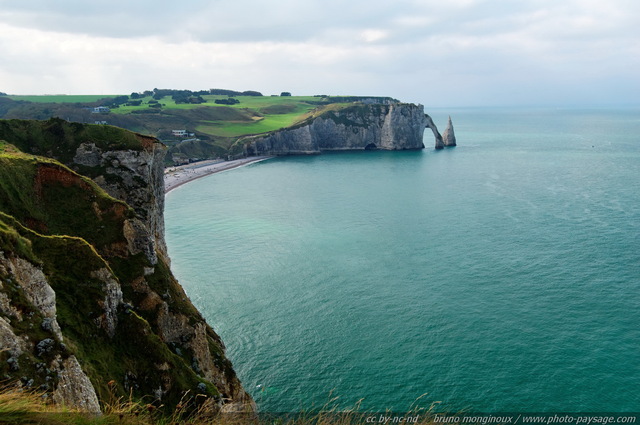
(66, 225)
(167, 102)
(277, 113)
(75, 228)
(70, 205)
(28, 407)
(262, 125)
(255, 114)
(257, 102)
(217, 126)
(59, 138)
(251, 102)
(62, 98)
(12, 241)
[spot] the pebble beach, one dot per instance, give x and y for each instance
(179, 175)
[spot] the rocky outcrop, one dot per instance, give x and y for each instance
(89, 308)
(393, 126)
(72, 386)
(136, 177)
(74, 389)
(36, 290)
(436, 134)
(449, 137)
(11, 343)
(108, 320)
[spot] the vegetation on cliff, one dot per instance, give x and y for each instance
(214, 119)
(86, 310)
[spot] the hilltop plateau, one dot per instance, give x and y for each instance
(203, 124)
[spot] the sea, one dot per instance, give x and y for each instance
(501, 275)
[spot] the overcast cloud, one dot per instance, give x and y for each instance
(439, 53)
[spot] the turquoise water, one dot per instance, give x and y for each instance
(500, 275)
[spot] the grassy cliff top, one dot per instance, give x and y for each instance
(82, 240)
(242, 116)
(213, 122)
(58, 138)
(53, 199)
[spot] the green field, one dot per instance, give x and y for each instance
(62, 98)
(253, 115)
(217, 127)
(251, 102)
(268, 114)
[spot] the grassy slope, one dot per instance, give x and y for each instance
(254, 114)
(61, 98)
(63, 221)
(222, 125)
(67, 262)
(218, 127)
(59, 138)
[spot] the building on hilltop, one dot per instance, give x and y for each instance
(181, 133)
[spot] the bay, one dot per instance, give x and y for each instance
(499, 275)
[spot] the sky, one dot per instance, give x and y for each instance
(441, 53)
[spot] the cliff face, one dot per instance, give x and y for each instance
(136, 177)
(89, 308)
(394, 126)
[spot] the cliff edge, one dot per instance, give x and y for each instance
(356, 126)
(89, 308)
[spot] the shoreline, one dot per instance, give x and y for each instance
(177, 176)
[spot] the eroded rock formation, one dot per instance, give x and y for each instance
(136, 177)
(436, 134)
(392, 126)
(89, 308)
(449, 137)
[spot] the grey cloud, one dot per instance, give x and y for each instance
(480, 49)
(207, 21)
(295, 20)
(116, 18)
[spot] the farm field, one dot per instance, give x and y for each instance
(62, 98)
(212, 129)
(252, 115)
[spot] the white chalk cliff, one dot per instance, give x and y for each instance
(394, 126)
(449, 137)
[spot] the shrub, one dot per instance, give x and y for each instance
(230, 101)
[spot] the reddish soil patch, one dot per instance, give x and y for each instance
(48, 174)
